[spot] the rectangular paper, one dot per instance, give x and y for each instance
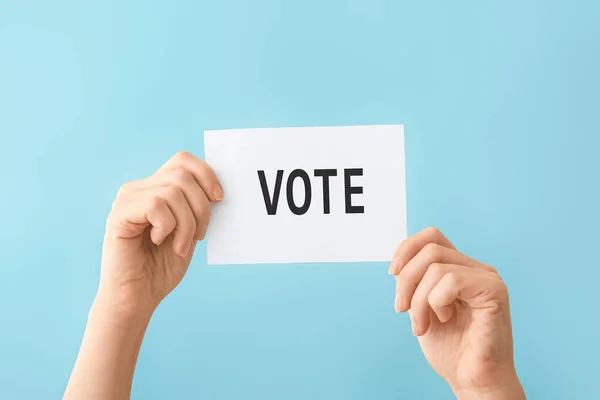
(356, 210)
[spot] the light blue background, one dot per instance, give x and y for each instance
(501, 106)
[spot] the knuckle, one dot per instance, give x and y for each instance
(156, 202)
(453, 278)
(432, 232)
(116, 202)
(110, 221)
(491, 269)
(182, 156)
(208, 171)
(501, 287)
(181, 176)
(432, 251)
(173, 192)
(125, 188)
(432, 300)
(115, 224)
(437, 270)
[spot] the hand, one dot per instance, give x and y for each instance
(151, 234)
(152, 231)
(459, 309)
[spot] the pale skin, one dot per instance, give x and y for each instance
(459, 307)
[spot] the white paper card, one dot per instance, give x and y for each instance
(345, 201)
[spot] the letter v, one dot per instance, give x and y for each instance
(271, 204)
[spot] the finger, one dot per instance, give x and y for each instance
(202, 213)
(202, 172)
(411, 246)
(182, 179)
(131, 219)
(420, 314)
(483, 290)
(409, 277)
(183, 234)
(195, 196)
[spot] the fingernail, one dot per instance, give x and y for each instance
(415, 327)
(184, 251)
(398, 303)
(218, 192)
(394, 265)
(190, 247)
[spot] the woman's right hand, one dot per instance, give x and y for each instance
(152, 231)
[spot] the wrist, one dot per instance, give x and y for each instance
(507, 389)
(113, 308)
